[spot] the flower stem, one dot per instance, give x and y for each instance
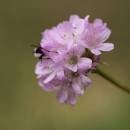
(110, 79)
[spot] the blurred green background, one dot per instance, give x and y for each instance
(23, 105)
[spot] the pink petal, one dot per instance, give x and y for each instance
(106, 47)
(46, 87)
(62, 95)
(55, 35)
(85, 80)
(84, 63)
(78, 50)
(72, 67)
(98, 22)
(70, 45)
(104, 35)
(77, 88)
(102, 31)
(60, 74)
(50, 77)
(96, 51)
(74, 18)
(41, 69)
(77, 23)
(87, 18)
(72, 98)
(65, 27)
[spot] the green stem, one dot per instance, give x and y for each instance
(110, 79)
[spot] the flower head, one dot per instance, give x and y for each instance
(70, 51)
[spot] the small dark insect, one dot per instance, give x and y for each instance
(39, 53)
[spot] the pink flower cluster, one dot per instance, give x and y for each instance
(68, 53)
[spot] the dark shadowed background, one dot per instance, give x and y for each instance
(23, 105)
